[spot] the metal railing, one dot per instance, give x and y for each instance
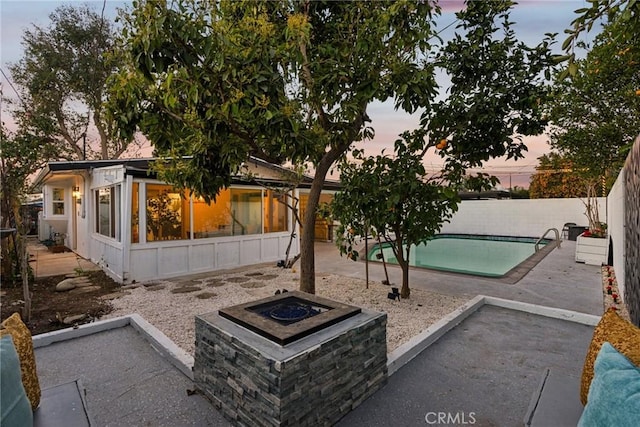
(545, 235)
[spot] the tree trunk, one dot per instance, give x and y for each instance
(24, 272)
(405, 292)
(307, 253)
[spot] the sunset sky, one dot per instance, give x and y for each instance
(533, 19)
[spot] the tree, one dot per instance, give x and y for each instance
(625, 12)
(556, 177)
(520, 193)
(218, 81)
(495, 98)
(397, 198)
(596, 113)
(62, 76)
(20, 156)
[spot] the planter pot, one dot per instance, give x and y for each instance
(56, 249)
(592, 250)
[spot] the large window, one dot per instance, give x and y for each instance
(107, 203)
(275, 212)
(135, 213)
(235, 212)
(57, 201)
(212, 219)
(167, 213)
(246, 211)
(323, 230)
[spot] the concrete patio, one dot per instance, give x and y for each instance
(489, 364)
(46, 263)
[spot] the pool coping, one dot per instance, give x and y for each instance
(511, 277)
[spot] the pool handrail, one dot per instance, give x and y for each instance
(545, 234)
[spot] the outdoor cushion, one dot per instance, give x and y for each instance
(24, 347)
(614, 395)
(15, 409)
(622, 335)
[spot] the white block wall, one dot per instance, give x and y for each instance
(615, 221)
(518, 217)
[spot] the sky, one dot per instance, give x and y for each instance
(533, 18)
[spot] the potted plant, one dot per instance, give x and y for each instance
(592, 245)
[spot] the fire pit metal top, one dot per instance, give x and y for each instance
(288, 317)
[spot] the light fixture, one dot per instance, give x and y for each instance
(76, 192)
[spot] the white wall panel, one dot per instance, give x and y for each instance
(526, 218)
(202, 257)
(173, 260)
(228, 254)
(615, 221)
(250, 251)
(144, 264)
(107, 254)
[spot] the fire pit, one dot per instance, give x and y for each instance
(289, 311)
(290, 359)
(290, 316)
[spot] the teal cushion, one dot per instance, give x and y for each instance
(15, 408)
(614, 394)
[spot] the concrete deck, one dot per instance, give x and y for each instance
(487, 367)
(556, 281)
(127, 382)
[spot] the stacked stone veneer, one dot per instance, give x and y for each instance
(632, 232)
(311, 382)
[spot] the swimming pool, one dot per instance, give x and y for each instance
(490, 256)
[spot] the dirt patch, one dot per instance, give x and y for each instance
(49, 308)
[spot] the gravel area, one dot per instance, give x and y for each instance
(170, 305)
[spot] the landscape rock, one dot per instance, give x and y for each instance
(70, 320)
(266, 277)
(80, 283)
(214, 283)
(66, 285)
(237, 279)
(185, 289)
(252, 285)
(205, 295)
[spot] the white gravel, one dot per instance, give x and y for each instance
(173, 313)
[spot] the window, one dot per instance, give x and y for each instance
(323, 230)
(212, 219)
(107, 202)
(246, 211)
(57, 200)
(167, 213)
(275, 212)
(135, 213)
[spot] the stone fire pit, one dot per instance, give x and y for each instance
(292, 359)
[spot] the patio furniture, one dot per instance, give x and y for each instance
(565, 229)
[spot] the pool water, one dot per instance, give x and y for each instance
(490, 256)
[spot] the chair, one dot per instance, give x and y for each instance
(565, 229)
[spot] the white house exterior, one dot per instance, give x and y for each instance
(100, 208)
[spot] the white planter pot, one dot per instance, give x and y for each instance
(592, 250)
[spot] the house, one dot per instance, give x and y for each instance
(118, 214)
